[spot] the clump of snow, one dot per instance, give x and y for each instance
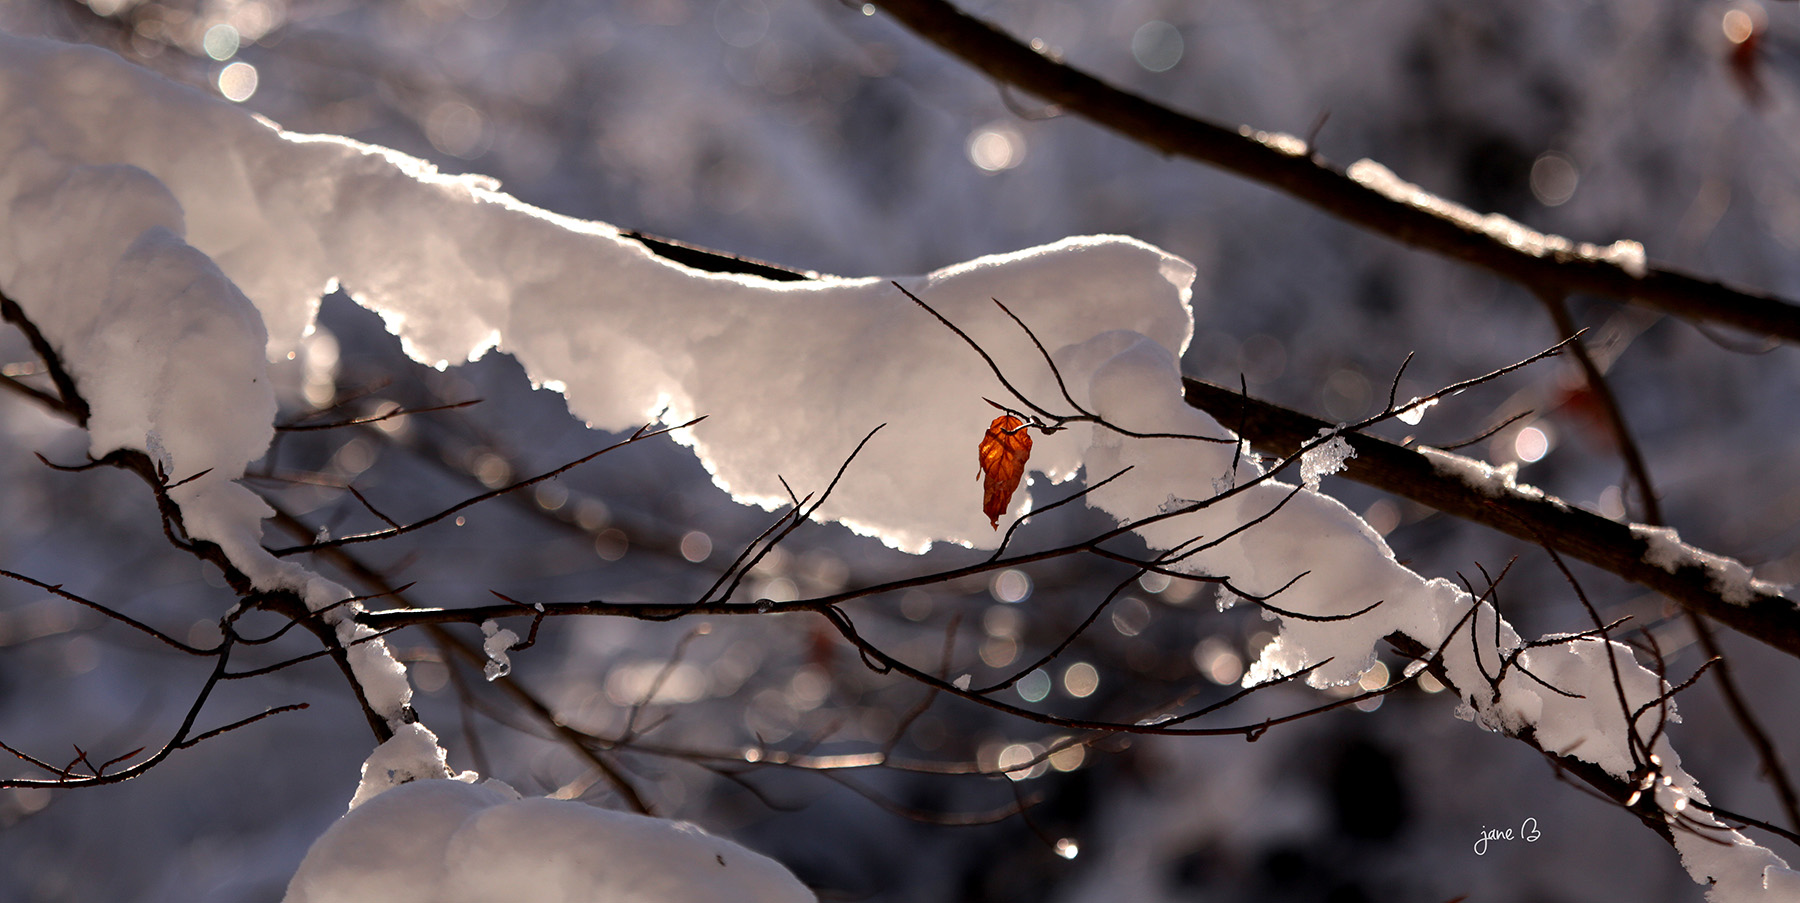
(166, 350)
(444, 841)
(1325, 458)
(1413, 411)
(1738, 870)
(1580, 727)
(497, 641)
(456, 268)
(1663, 548)
(1626, 255)
(158, 340)
(412, 754)
(1493, 482)
(1282, 142)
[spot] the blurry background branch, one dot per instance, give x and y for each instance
(1292, 166)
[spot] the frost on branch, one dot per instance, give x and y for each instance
(1325, 458)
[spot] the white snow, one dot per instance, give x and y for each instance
(412, 754)
(1413, 411)
(450, 841)
(628, 337)
(1279, 141)
(497, 640)
(129, 227)
(1493, 482)
(1624, 254)
(1733, 580)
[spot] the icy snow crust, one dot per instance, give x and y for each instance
(155, 234)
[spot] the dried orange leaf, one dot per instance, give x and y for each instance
(1004, 451)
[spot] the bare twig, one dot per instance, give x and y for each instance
(373, 418)
(644, 433)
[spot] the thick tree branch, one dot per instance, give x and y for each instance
(1582, 535)
(1289, 165)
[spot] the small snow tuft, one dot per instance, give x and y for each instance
(1414, 411)
(412, 754)
(1733, 580)
(1493, 482)
(499, 640)
(1325, 458)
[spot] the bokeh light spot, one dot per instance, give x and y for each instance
(238, 82)
(1068, 758)
(1034, 687)
(220, 42)
(1532, 444)
(1014, 757)
(457, 129)
(1080, 680)
(1739, 26)
(1130, 616)
(996, 146)
(696, 546)
(1554, 178)
(1157, 46)
(1010, 586)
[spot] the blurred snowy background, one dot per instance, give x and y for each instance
(818, 135)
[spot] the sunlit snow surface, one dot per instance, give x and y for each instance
(131, 239)
(448, 841)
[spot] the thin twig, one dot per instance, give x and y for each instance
(640, 435)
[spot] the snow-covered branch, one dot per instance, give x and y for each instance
(162, 274)
(1653, 557)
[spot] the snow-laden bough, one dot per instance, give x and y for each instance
(167, 243)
